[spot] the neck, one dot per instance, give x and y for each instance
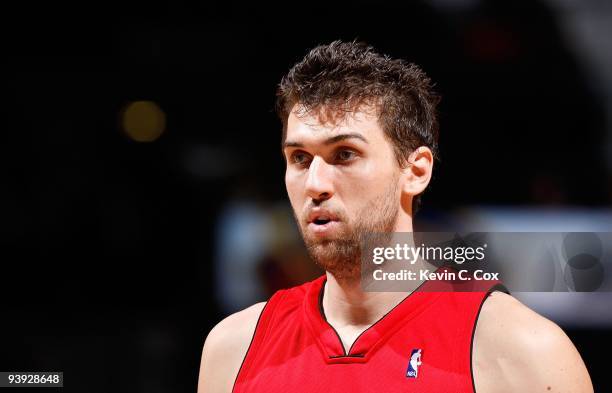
(346, 304)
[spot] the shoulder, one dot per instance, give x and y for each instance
(516, 349)
(225, 348)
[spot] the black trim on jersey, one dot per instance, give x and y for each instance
(251, 343)
(330, 325)
(360, 334)
(357, 355)
(496, 287)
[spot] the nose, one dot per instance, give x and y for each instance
(319, 185)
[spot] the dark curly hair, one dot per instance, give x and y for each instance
(342, 77)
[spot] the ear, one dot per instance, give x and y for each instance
(417, 172)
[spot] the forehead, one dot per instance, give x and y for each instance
(318, 126)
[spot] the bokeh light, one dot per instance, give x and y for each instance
(143, 121)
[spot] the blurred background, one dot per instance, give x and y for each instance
(141, 179)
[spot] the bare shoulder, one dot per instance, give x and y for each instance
(516, 349)
(225, 348)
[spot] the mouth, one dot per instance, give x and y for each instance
(322, 222)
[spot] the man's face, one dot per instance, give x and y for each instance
(343, 181)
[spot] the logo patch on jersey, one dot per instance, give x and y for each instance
(414, 363)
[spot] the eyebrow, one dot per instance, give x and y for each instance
(330, 140)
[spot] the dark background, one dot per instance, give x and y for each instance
(108, 243)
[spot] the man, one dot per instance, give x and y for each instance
(359, 138)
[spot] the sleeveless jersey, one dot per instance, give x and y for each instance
(424, 344)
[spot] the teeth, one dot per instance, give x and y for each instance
(323, 218)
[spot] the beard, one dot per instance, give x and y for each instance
(341, 255)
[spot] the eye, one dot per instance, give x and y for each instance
(300, 158)
(345, 155)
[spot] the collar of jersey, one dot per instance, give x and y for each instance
(370, 339)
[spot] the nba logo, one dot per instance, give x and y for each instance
(414, 363)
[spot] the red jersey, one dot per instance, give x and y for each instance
(424, 344)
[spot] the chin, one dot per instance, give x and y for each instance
(339, 257)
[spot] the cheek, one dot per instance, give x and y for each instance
(362, 182)
(293, 186)
(360, 188)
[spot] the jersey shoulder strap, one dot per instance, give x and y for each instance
(283, 307)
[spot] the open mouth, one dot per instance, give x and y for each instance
(321, 221)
